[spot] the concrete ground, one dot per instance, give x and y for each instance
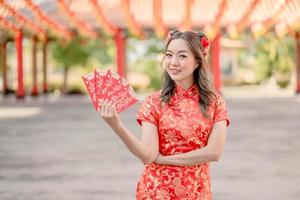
(59, 149)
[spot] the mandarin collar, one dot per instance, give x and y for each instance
(192, 92)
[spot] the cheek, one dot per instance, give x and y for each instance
(165, 63)
(188, 65)
(188, 69)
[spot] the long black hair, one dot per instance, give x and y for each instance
(202, 75)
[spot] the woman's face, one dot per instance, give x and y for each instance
(180, 62)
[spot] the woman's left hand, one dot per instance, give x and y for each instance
(159, 159)
(109, 114)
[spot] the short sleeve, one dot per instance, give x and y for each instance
(221, 110)
(148, 110)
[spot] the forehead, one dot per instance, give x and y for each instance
(178, 45)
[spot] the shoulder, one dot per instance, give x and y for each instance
(218, 102)
(218, 99)
(150, 109)
(152, 102)
(220, 109)
(215, 97)
(153, 98)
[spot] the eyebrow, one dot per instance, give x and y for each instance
(182, 51)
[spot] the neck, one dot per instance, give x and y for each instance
(184, 85)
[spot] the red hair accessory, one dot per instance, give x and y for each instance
(204, 42)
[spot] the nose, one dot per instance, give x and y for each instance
(174, 60)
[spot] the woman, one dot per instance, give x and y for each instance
(183, 125)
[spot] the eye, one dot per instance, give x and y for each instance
(182, 56)
(168, 55)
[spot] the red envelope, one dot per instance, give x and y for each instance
(124, 98)
(119, 85)
(89, 82)
(99, 79)
(108, 81)
(116, 89)
(111, 86)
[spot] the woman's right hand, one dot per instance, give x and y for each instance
(109, 114)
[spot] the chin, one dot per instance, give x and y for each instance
(177, 78)
(174, 78)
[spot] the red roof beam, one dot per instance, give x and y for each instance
(159, 26)
(107, 26)
(289, 17)
(213, 29)
(262, 27)
(237, 28)
(25, 21)
(187, 21)
(295, 23)
(58, 29)
(132, 24)
(222, 7)
(85, 28)
(8, 25)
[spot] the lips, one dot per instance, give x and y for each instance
(175, 71)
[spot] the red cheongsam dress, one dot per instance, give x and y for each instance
(181, 128)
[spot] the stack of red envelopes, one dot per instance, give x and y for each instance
(107, 85)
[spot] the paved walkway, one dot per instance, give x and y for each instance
(59, 149)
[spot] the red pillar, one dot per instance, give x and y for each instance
(215, 62)
(45, 84)
(120, 40)
(4, 66)
(34, 89)
(20, 93)
(297, 62)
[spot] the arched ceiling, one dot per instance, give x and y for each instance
(89, 18)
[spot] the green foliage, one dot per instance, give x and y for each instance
(78, 52)
(152, 69)
(146, 59)
(274, 56)
(71, 54)
(82, 52)
(102, 50)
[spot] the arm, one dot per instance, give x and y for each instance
(211, 152)
(145, 149)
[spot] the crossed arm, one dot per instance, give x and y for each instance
(211, 152)
(147, 148)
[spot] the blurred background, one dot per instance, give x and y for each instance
(53, 145)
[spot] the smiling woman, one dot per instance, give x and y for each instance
(6, 113)
(191, 120)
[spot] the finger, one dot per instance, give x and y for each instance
(111, 109)
(114, 109)
(107, 109)
(103, 107)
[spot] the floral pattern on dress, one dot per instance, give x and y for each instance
(181, 128)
